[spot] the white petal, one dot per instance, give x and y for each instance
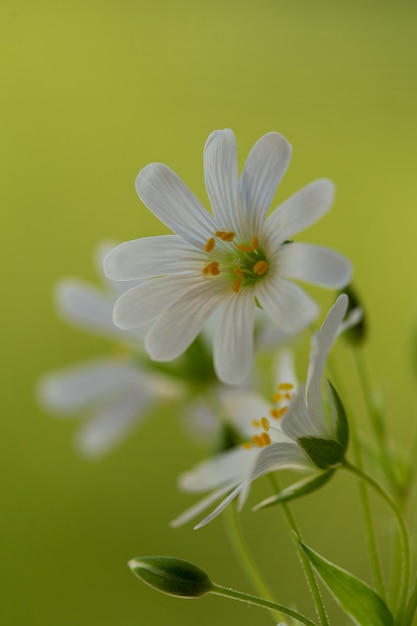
(285, 368)
(227, 467)
(152, 256)
(221, 178)
(314, 264)
(298, 421)
(111, 424)
(232, 495)
(233, 339)
(279, 456)
(286, 304)
(180, 324)
(200, 506)
(262, 173)
(78, 387)
(298, 212)
(165, 194)
(242, 406)
(146, 302)
(85, 306)
(322, 342)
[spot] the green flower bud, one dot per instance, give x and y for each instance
(355, 334)
(172, 576)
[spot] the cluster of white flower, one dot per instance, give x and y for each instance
(204, 299)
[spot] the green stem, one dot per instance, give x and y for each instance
(405, 546)
(375, 416)
(411, 608)
(226, 592)
(242, 554)
(364, 500)
(308, 571)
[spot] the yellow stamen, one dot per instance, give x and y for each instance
(265, 423)
(225, 235)
(256, 423)
(244, 248)
(210, 243)
(266, 439)
(212, 268)
(255, 243)
(285, 386)
(238, 272)
(257, 440)
(277, 413)
(287, 396)
(278, 397)
(236, 285)
(260, 267)
(247, 445)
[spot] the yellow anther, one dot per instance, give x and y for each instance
(278, 397)
(277, 413)
(285, 386)
(244, 248)
(247, 445)
(287, 396)
(265, 423)
(256, 423)
(255, 243)
(238, 272)
(266, 439)
(260, 267)
(212, 268)
(210, 243)
(225, 235)
(236, 285)
(257, 440)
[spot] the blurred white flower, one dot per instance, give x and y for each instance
(114, 391)
(273, 442)
(235, 259)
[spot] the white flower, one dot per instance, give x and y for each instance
(235, 259)
(114, 391)
(299, 414)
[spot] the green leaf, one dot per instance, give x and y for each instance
(172, 576)
(357, 599)
(325, 453)
(301, 488)
(342, 426)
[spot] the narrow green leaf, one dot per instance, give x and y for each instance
(357, 599)
(301, 488)
(342, 426)
(325, 453)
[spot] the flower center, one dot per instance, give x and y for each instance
(244, 263)
(263, 426)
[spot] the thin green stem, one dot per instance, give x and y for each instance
(376, 420)
(226, 592)
(308, 571)
(405, 545)
(366, 511)
(242, 554)
(411, 607)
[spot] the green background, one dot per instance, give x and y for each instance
(90, 93)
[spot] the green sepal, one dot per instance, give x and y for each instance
(325, 453)
(172, 576)
(297, 490)
(356, 598)
(355, 334)
(342, 425)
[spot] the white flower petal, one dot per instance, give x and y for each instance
(262, 173)
(227, 467)
(165, 194)
(285, 368)
(180, 324)
(78, 387)
(298, 421)
(152, 256)
(279, 456)
(286, 304)
(232, 495)
(85, 306)
(233, 339)
(111, 424)
(242, 406)
(200, 506)
(322, 342)
(147, 302)
(221, 178)
(298, 212)
(314, 264)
